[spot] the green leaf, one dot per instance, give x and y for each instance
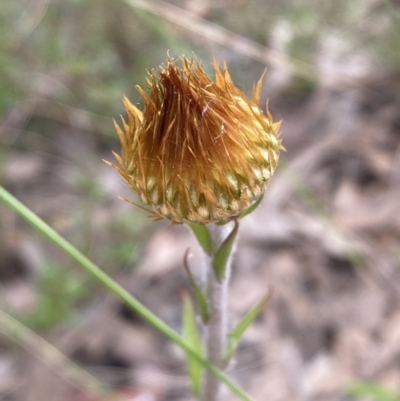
(116, 289)
(201, 299)
(241, 327)
(374, 390)
(191, 336)
(222, 255)
(203, 236)
(252, 207)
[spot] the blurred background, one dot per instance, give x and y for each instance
(326, 236)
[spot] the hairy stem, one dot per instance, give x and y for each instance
(115, 288)
(215, 332)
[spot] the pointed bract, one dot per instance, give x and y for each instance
(200, 151)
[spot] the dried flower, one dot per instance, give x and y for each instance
(200, 151)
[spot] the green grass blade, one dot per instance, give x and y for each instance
(191, 335)
(51, 356)
(114, 287)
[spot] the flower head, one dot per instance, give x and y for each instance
(200, 151)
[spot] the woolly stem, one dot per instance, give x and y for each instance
(115, 288)
(215, 331)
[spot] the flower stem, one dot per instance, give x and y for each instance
(115, 288)
(215, 331)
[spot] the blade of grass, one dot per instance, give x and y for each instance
(114, 287)
(50, 355)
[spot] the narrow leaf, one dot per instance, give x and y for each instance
(201, 299)
(115, 288)
(252, 207)
(222, 255)
(192, 338)
(241, 327)
(203, 236)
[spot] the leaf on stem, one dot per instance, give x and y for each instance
(116, 289)
(241, 327)
(191, 336)
(201, 299)
(203, 236)
(222, 255)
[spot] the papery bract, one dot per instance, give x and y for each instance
(200, 151)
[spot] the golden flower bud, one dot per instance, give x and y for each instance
(200, 151)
